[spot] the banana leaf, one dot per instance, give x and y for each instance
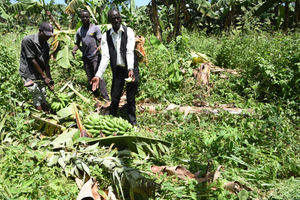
(48, 127)
(127, 141)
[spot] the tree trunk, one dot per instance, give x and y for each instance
(229, 17)
(274, 19)
(155, 21)
(53, 20)
(72, 25)
(177, 24)
(187, 15)
(286, 16)
(297, 13)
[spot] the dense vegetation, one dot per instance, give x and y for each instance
(258, 149)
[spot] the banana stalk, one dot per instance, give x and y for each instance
(78, 94)
(83, 132)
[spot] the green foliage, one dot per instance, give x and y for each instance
(270, 63)
(9, 78)
(259, 149)
(136, 18)
(24, 176)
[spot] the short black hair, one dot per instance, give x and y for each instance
(111, 11)
(84, 10)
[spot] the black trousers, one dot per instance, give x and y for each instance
(118, 82)
(91, 67)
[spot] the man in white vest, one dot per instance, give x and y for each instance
(117, 47)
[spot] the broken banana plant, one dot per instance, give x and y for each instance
(46, 126)
(83, 132)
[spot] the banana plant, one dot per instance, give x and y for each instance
(5, 16)
(29, 8)
(95, 8)
(34, 9)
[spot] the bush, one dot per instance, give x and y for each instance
(270, 62)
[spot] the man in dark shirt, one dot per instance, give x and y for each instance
(90, 37)
(34, 65)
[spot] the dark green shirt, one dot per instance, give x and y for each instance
(32, 48)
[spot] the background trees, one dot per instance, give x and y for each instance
(163, 16)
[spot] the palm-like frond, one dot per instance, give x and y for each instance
(3, 14)
(91, 13)
(29, 7)
(150, 146)
(73, 6)
(265, 6)
(253, 10)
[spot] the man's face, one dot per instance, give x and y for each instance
(43, 37)
(115, 20)
(85, 17)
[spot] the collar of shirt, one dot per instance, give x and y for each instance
(113, 31)
(36, 40)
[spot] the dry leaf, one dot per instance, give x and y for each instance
(235, 187)
(172, 106)
(79, 182)
(179, 171)
(217, 173)
(152, 109)
(89, 191)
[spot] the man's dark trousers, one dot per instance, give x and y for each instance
(91, 67)
(118, 82)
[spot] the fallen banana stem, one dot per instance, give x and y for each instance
(78, 94)
(83, 132)
(65, 85)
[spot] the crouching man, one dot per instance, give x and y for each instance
(34, 65)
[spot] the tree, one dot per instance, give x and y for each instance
(155, 20)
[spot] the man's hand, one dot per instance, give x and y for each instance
(95, 83)
(51, 87)
(131, 75)
(73, 53)
(49, 83)
(47, 80)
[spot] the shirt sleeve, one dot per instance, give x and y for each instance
(105, 57)
(130, 48)
(28, 48)
(98, 33)
(77, 38)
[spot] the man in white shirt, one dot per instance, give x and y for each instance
(117, 47)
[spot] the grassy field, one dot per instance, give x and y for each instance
(259, 150)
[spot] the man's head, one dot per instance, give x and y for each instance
(85, 17)
(45, 31)
(115, 19)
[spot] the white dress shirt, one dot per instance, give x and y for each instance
(116, 38)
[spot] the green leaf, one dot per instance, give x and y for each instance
(65, 112)
(63, 57)
(123, 142)
(2, 123)
(243, 195)
(157, 44)
(238, 160)
(61, 162)
(85, 168)
(63, 139)
(52, 159)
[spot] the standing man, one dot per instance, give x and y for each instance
(90, 37)
(118, 47)
(34, 65)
